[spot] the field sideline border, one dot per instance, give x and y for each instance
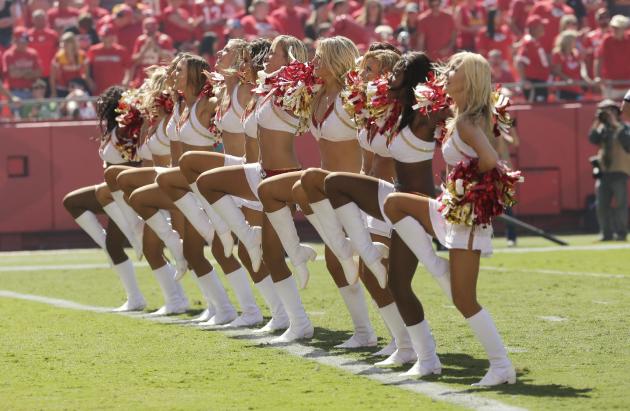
(435, 391)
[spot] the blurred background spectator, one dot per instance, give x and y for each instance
(436, 31)
(611, 58)
(7, 21)
(39, 110)
(69, 63)
(532, 61)
(567, 64)
(108, 62)
(63, 16)
(151, 48)
(21, 65)
(44, 41)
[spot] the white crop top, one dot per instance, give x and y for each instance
(336, 124)
(269, 116)
(249, 122)
(230, 120)
(378, 145)
(158, 143)
(193, 133)
(145, 153)
(407, 148)
(171, 127)
(455, 150)
(109, 153)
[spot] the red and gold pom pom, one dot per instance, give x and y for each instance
(293, 88)
(384, 112)
(471, 198)
(501, 117)
(431, 96)
(164, 102)
(354, 98)
(130, 121)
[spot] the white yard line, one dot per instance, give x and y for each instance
(553, 272)
(435, 391)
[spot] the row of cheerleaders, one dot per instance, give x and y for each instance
(200, 156)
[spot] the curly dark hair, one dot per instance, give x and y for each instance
(258, 50)
(106, 108)
(415, 67)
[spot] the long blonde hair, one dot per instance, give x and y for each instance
(292, 47)
(240, 47)
(478, 91)
(338, 56)
(386, 59)
(152, 87)
(563, 41)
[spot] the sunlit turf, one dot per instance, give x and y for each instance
(568, 335)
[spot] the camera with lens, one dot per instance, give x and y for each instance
(603, 116)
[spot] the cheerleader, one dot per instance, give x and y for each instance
(176, 183)
(157, 106)
(83, 204)
(194, 134)
(277, 129)
(415, 218)
(335, 133)
(408, 151)
(238, 128)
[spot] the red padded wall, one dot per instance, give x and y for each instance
(26, 204)
(75, 164)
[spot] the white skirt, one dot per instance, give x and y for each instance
(460, 236)
(378, 226)
(241, 202)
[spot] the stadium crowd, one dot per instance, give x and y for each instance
(80, 47)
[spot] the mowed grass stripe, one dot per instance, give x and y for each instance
(434, 391)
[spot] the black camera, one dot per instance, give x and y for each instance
(597, 166)
(603, 116)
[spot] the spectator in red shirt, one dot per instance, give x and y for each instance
(21, 65)
(151, 48)
(44, 40)
(319, 15)
(469, 20)
(344, 25)
(393, 12)
(127, 29)
(94, 8)
(567, 64)
(177, 23)
(593, 39)
(28, 7)
(108, 61)
(500, 72)
(519, 11)
(63, 16)
(496, 35)
(69, 63)
(290, 19)
(532, 62)
(552, 10)
(436, 32)
(211, 15)
(611, 59)
(259, 23)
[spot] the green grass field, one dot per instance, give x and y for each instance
(562, 313)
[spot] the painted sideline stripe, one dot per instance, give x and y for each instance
(554, 272)
(435, 391)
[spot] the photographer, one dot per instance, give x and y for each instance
(611, 168)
